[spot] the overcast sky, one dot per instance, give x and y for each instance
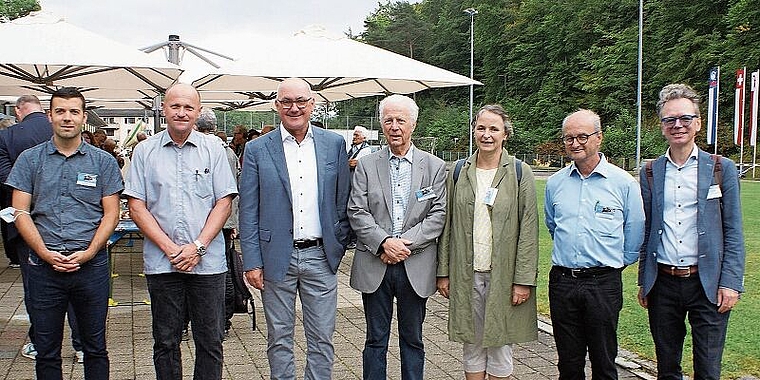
(209, 23)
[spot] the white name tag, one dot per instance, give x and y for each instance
(714, 192)
(425, 194)
(490, 196)
(89, 180)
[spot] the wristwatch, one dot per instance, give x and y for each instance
(200, 249)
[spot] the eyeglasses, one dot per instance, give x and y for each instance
(686, 120)
(582, 138)
(288, 104)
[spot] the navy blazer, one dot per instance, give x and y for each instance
(33, 130)
(266, 218)
(719, 229)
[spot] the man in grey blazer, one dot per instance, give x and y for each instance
(397, 210)
(293, 229)
(692, 260)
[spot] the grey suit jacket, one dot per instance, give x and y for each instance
(370, 209)
(719, 227)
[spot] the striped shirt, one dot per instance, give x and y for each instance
(401, 186)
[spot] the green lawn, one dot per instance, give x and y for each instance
(742, 352)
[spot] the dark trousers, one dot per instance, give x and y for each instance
(378, 312)
(671, 300)
(50, 294)
(203, 297)
(584, 313)
(8, 231)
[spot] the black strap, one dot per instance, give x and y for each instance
(460, 163)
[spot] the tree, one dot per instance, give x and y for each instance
(13, 9)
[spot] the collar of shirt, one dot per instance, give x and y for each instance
(81, 149)
(693, 154)
(193, 138)
(408, 156)
(601, 168)
(286, 135)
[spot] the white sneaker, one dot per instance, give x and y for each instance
(80, 357)
(28, 351)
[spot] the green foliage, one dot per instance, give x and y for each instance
(13, 9)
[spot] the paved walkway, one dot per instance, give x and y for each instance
(130, 341)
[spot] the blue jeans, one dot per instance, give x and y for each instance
(310, 276)
(670, 301)
(378, 311)
(203, 297)
(584, 313)
(50, 294)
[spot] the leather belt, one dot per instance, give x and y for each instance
(585, 272)
(303, 244)
(675, 271)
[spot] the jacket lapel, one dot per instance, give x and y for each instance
(705, 179)
(277, 155)
(419, 168)
(321, 156)
(384, 179)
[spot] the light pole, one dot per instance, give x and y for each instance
(472, 12)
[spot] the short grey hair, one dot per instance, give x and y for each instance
(363, 131)
(595, 119)
(677, 91)
(498, 110)
(24, 99)
(206, 121)
(402, 100)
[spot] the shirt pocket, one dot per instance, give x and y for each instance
(87, 194)
(203, 185)
(609, 223)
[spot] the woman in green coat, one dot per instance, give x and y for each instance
(488, 253)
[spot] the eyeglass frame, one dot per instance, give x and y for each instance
(297, 103)
(582, 138)
(670, 122)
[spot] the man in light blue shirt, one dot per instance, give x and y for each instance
(181, 189)
(595, 215)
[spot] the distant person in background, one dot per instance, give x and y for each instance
(238, 140)
(99, 137)
(206, 124)
(110, 146)
(141, 136)
(252, 134)
(5, 123)
(359, 146)
(267, 129)
(88, 137)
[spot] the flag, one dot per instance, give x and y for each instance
(132, 138)
(739, 106)
(754, 87)
(712, 105)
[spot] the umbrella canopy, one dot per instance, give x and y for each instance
(44, 51)
(337, 68)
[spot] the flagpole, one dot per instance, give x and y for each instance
(754, 88)
(638, 88)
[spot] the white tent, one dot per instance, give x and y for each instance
(337, 68)
(44, 52)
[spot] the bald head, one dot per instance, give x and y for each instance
(584, 116)
(294, 84)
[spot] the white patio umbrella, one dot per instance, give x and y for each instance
(43, 51)
(337, 68)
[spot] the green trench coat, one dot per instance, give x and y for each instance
(514, 258)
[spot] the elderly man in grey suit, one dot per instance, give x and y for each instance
(294, 229)
(397, 209)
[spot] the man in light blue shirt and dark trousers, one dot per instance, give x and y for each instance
(180, 189)
(595, 215)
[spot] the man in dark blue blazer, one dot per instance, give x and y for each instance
(33, 129)
(692, 260)
(293, 229)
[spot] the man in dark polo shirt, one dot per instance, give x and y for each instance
(66, 196)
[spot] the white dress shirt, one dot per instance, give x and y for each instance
(302, 171)
(679, 243)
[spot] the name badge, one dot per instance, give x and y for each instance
(714, 192)
(89, 180)
(490, 196)
(425, 194)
